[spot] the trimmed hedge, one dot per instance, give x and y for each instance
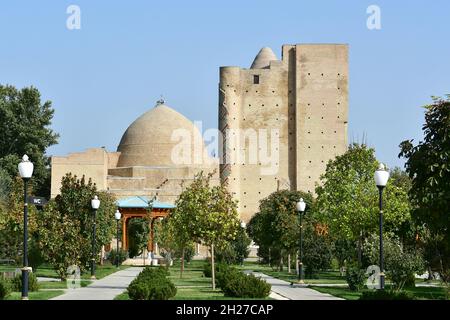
(152, 284)
(386, 295)
(5, 288)
(236, 284)
(32, 282)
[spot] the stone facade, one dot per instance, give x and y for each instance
(301, 101)
(143, 164)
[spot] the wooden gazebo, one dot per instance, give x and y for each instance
(141, 207)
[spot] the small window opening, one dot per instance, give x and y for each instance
(255, 79)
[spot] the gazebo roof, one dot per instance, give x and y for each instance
(142, 202)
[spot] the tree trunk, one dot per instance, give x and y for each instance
(213, 273)
(182, 263)
(289, 263)
(269, 259)
(281, 262)
(297, 267)
(360, 250)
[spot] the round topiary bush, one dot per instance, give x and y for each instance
(239, 285)
(152, 284)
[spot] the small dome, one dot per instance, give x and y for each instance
(263, 58)
(150, 139)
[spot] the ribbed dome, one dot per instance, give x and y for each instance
(148, 141)
(263, 58)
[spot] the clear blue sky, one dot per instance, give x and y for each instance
(127, 53)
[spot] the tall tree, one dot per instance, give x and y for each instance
(347, 197)
(25, 129)
(428, 166)
(276, 225)
(71, 211)
(206, 214)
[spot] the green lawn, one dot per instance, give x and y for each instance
(422, 293)
(60, 284)
(193, 285)
(328, 277)
(46, 271)
(38, 295)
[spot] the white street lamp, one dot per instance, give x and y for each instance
(301, 206)
(26, 171)
(117, 215)
(381, 177)
(95, 204)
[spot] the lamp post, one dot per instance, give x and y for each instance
(26, 171)
(95, 204)
(381, 178)
(301, 206)
(117, 215)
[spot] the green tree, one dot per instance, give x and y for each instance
(428, 166)
(347, 197)
(60, 240)
(276, 225)
(138, 231)
(235, 251)
(25, 129)
(72, 212)
(11, 222)
(206, 214)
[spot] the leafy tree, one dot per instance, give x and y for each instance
(235, 251)
(24, 129)
(65, 227)
(428, 166)
(11, 222)
(347, 198)
(60, 240)
(206, 214)
(276, 225)
(138, 231)
(317, 249)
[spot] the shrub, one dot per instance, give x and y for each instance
(217, 266)
(355, 278)
(138, 290)
(386, 295)
(5, 288)
(32, 282)
(239, 285)
(152, 284)
(122, 254)
(400, 264)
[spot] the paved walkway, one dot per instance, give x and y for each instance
(106, 288)
(295, 292)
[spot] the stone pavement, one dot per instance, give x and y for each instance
(106, 288)
(295, 292)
